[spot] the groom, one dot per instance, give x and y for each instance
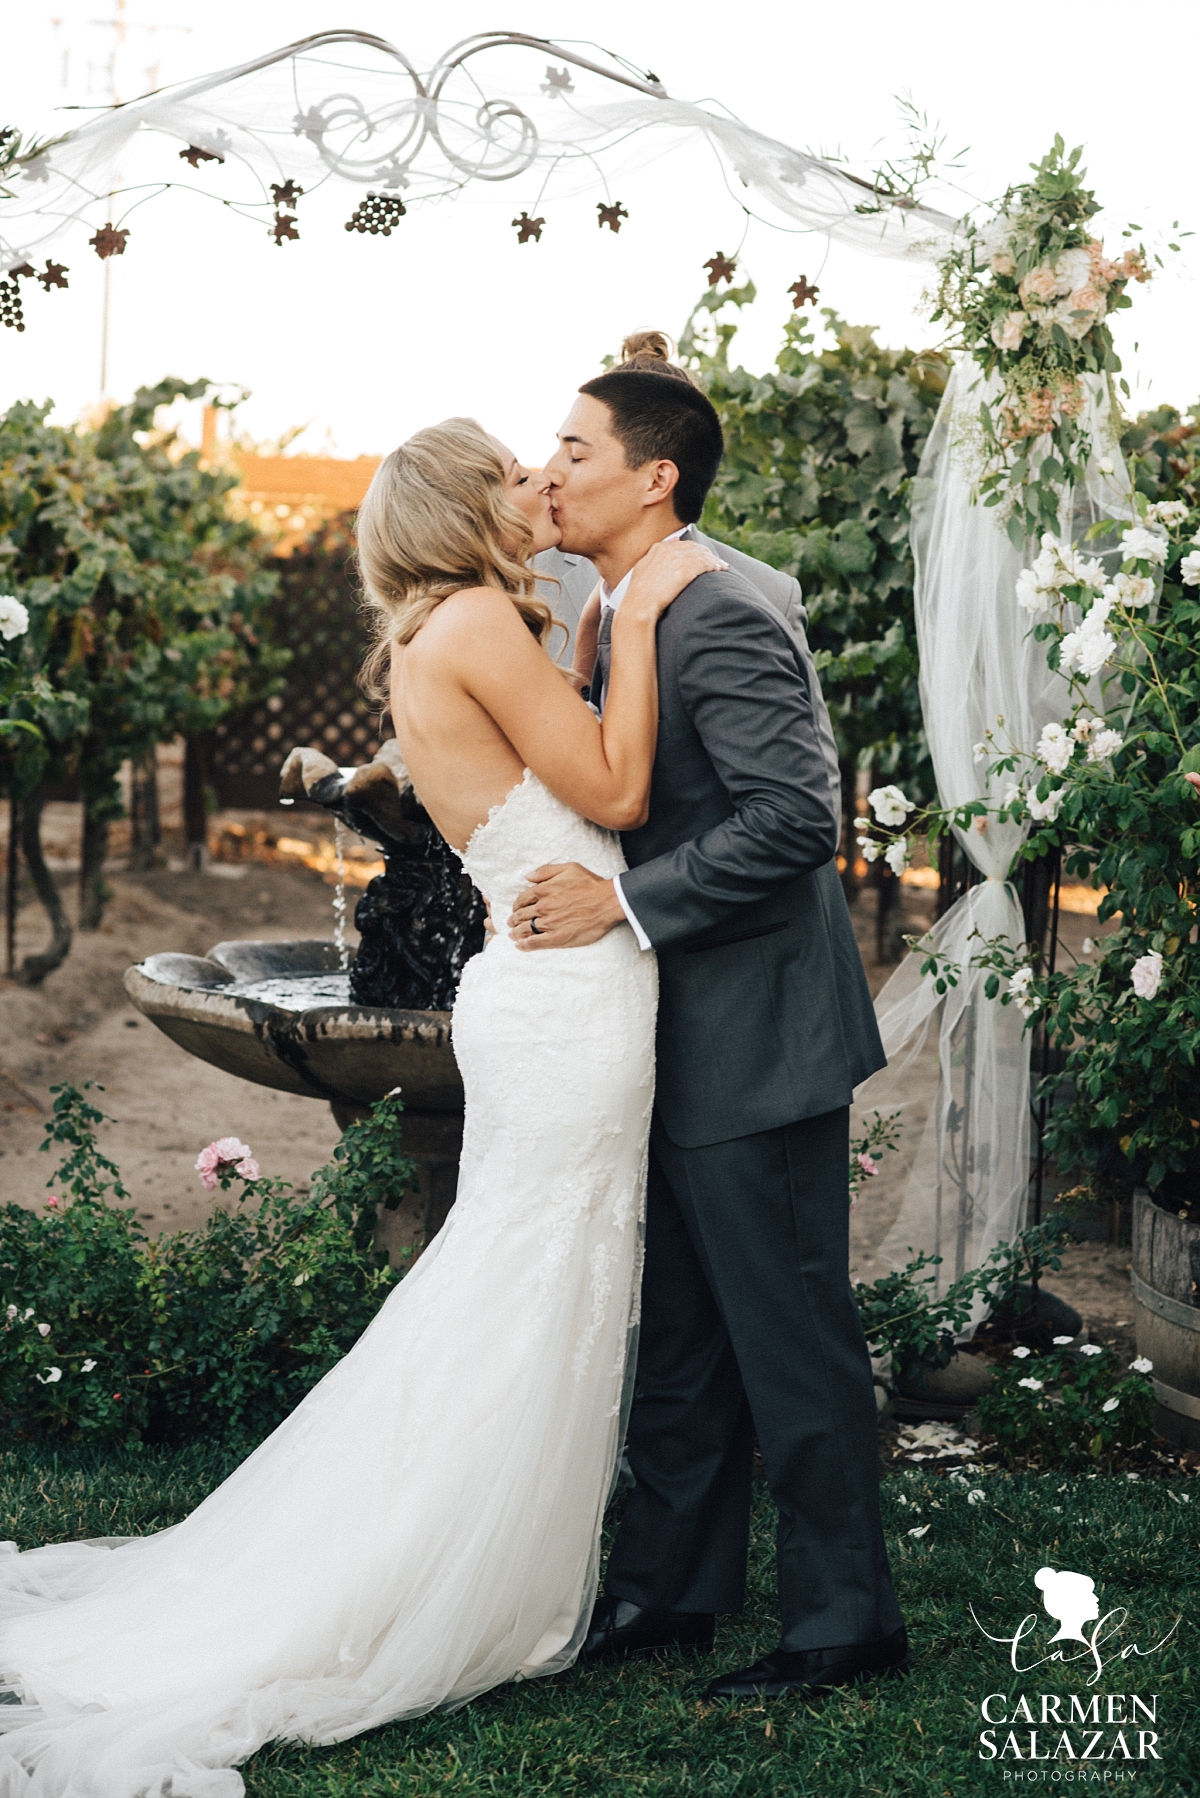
(749, 1329)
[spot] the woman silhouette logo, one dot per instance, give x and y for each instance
(1070, 1598)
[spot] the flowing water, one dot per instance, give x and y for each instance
(339, 896)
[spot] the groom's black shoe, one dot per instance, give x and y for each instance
(619, 1628)
(813, 1669)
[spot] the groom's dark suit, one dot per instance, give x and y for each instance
(765, 1026)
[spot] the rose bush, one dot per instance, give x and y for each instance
(107, 1335)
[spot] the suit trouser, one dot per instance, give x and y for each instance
(749, 1327)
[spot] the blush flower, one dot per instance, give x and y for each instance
(1039, 287)
(227, 1151)
(867, 1163)
(1008, 331)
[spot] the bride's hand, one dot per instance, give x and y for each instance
(663, 573)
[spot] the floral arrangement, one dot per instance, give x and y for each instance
(1030, 291)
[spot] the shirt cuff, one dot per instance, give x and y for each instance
(643, 941)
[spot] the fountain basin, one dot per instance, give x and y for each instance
(280, 1014)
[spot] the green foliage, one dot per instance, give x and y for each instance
(219, 1330)
(903, 1316)
(1071, 1408)
(817, 480)
(143, 593)
(1131, 824)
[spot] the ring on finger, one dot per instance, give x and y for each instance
(535, 928)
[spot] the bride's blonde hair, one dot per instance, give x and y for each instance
(435, 519)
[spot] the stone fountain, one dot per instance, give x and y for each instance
(304, 1018)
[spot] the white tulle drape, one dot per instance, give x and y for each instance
(345, 107)
(980, 664)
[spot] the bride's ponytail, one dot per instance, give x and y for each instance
(435, 519)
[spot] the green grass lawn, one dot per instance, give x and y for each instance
(640, 1729)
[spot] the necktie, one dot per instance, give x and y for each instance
(603, 659)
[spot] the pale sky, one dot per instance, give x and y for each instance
(366, 339)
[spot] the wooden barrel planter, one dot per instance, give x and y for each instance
(1166, 1292)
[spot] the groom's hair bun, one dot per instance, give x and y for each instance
(657, 420)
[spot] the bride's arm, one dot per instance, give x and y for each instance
(601, 770)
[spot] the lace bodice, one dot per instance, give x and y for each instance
(527, 829)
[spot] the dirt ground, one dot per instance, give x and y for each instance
(79, 1026)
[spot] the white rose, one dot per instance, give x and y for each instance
(1168, 511)
(14, 619)
(889, 805)
(1105, 465)
(1189, 569)
(1055, 748)
(1045, 811)
(1141, 545)
(1018, 986)
(896, 856)
(870, 851)
(1132, 590)
(1105, 744)
(1146, 974)
(1029, 595)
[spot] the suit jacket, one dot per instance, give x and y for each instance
(764, 1012)
(577, 577)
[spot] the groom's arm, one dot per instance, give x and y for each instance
(747, 695)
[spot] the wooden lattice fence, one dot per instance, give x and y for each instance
(316, 615)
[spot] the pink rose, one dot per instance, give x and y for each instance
(868, 1165)
(227, 1151)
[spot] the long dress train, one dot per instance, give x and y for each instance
(425, 1525)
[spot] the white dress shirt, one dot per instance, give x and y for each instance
(610, 598)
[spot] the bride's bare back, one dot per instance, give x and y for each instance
(476, 700)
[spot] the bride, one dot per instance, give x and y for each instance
(426, 1524)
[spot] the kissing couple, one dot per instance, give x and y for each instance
(649, 1248)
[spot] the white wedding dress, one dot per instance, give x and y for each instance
(426, 1524)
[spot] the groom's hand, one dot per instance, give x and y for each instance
(572, 907)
